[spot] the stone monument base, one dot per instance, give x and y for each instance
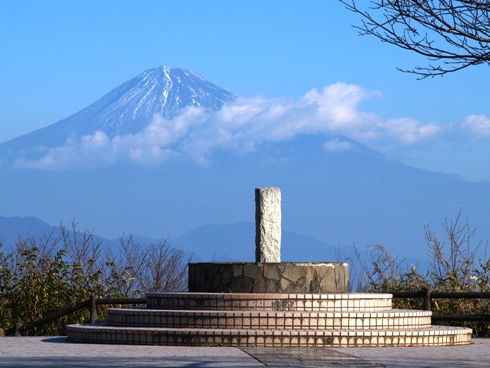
(284, 277)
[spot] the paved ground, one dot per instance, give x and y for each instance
(475, 355)
(22, 352)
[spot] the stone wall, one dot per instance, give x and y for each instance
(284, 277)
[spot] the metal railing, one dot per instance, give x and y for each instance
(91, 303)
(427, 295)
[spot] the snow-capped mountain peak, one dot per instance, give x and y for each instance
(128, 108)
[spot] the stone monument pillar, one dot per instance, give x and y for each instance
(268, 225)
(268, 274)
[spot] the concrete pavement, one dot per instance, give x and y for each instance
(22, 352)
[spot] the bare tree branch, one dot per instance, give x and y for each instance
(453, 34)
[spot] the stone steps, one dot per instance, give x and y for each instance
(237, 319)
(103, 334)
(335, 302)
(268, 320)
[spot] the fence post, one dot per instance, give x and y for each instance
(2, 332)
(427, 299)
(17, 327)
(93, 308)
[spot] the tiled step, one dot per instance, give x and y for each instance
(295, 320)
(433, 336)
(345, 302)
(274, 320)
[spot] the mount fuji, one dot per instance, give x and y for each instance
(336, 197)
(127, 109)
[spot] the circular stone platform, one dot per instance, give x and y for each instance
(271, 320)
(284, 277)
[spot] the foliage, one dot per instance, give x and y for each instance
(46, 274)
(455, 267)
(453, 33)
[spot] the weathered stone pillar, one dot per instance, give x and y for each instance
(268, 225)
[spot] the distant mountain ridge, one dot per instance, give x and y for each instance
(236, 242)
(127, 109)
(11, 228)
(227, 242)
(219, 243)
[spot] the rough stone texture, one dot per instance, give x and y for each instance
(285, 277)
(268, 225)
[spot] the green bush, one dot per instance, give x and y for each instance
(43, 275)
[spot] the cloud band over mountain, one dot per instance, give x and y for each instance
(239, 126)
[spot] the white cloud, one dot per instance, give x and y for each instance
(410, 131)
(242, 125)
(478, 126)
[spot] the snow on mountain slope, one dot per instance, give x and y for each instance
(127, 109)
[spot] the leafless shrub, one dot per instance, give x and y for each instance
(44, 274)
(157, 267)
(461, 266)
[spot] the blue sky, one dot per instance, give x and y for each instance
(58, 57)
